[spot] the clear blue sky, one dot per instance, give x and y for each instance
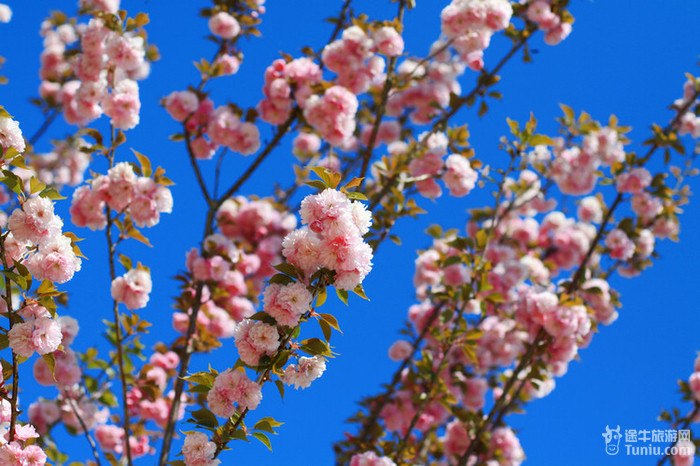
(627, 58)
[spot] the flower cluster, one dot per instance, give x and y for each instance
(331, 241)
(5, 13)
(575, 168)
(353, 57)
(10, 134)
(36, 240)
(66, 371)
(142, 198)
(226, 129)
(198, 450)
(224, 25)
(223, 125)
(332, 238)
(470, 25)
(555, 29)
(39, 332)
(64, 165)
(306, 371)
(689, 123)
(429, 85)
(21, 450)
(234, 264)
(333, 114)
(132, 289)
(456, 172)
(233, 386)
(370, 458)
(146, 402)
(286, 83)
(91, 69)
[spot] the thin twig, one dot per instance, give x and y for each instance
(44, 126)
(195, 168)
(217, 173)
(185, 356)
(686, 424)
(115, 310)
(381, 109)
(15, 363)
(89, 438)
(279, 134)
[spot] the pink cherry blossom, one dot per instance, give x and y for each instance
(233, 387)
(306, 371)
(132, 289)
(198, 450)
(224, 25)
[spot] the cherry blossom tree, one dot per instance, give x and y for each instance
(378, 135)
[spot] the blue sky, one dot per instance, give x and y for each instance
(621, 58)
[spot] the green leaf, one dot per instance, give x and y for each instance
(280, 388)
(96, 135)
(13, 182)
(18, 279)
(50, 362)
(540, 139)
(320, 185)
(134, 232)
(205, 418)
(359, 291)
(240, 435)
(109, 399)
(483, 108)
(495, 298)
(141, 19)
(24, 272)
(315, 347)
(144, 162)
(18, 162)
(514, 127)
(343, 295)
(470, 353)
(267, 424)
(51, 193)
(481, 239)
(201, 378)
(281, 279)
(326, 329)
(331, 320)
(289, 269)
(452, 260)
(354, 195)
(35, 185)
(568, 112)
(120, 139)
(321, 297)
(272, 421)
(323, 173)
(4, 341)
(125, 262)
(263, 438)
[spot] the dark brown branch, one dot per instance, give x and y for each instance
(117, 319)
